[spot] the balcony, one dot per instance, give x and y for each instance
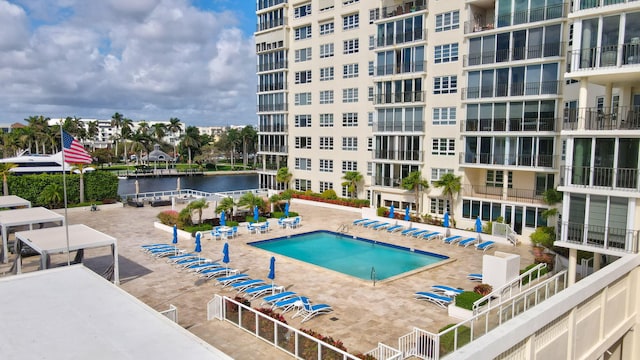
(592, 4)
(273, 128)
(282, 149)
(529, 196)
(504, 125)
(531, 161)
(272, 107)
(401, 38)
(599, 236)
(406, 7)
(271, 166)
(399, 97)
(399, 155)
(600, 177)
(266, 25)
(533, 15)
(517, 89)
(618, 118)
(604, 57)
(272, 87)
(404, 68)
(398, 126)
(386, 182)
(514, 54)
(272, 66)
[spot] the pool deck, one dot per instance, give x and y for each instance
(363, 314)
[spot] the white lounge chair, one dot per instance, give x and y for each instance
(272, 299)
(468, 241)
(247, 284)
(308, 311)
(452, 239)
(440, 300)
(431, 236)
(232, 279)
(484, 246)
(288, 304)
(262, 290)
(211, 273)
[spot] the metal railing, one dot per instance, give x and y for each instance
(591, 4)
(514, 54)
(265, 25)
(271, 87)
(171, 313)
(608, 56)
(398, 126)
(406, 7)
(531, 196)
(535, 161)
(604, 118)
(272, 66)
(399, 97)
(386, 181)
(273, 148)
(385, 352)
(272, 107)
(402, 68)
(514, 124)
(401, 38)
(533, 15)
(600, 236)
(602, 177)
(273, 128)
(513, 89)
(400, 155)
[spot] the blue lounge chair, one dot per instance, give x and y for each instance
(431, 236)
(381, 226)
(247, 284)
(371, 223)
(409, 231)
(484, 246)
(468, 241)
(232, 279)
(475, 277)
(308, 311)
(170, 251)
(262, 290)
(174, 258)
(288, 304)
(419, 233)
(447, 290)
(211, 273)
(272, 299)
(452, 239)
(395, 228)
(207, 264)
(439, 300)
(360, 221)
(147, 248)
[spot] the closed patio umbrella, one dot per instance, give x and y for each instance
(406, 214)
(272, 269)
(478, 225)
(392, 211)
(198, 248)
(174, 241)
(286, 210)
(225, 254)
(445, 222)
(256, 214)
(223, 221)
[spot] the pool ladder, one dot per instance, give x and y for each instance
(373, 275)
(343, 228)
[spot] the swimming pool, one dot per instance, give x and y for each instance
(349, 254)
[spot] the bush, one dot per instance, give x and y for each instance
(447, 340)
(380, 211)
(533, 275)
(184, 218)
(329, 194)
(168, 217)
(483, 289)
(250, 219)
(279, 214)
(466, 299)
(195, 228)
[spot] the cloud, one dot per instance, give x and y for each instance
(147, 59)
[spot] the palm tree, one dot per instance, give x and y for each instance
(174, 127)
(198, 206)
(190, 141)
(352, 179)
(81, 168)
(249, 136)
(126, 134)
(415, 183)
(250, 200)
(116, 121)
(52, 195)
(159, 131)
(92, 132)
(226, 205)
(451, 185)
(284, 176)
(39, 125)
(5, 170)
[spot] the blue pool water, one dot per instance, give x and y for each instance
(350, 255)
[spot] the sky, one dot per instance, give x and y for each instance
(146, 59)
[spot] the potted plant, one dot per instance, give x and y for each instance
(483, 289)
(542, 239)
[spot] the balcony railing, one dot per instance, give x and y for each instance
(405, 8)
(517, 89)
(604, 57)
(591, 4)
(601, 177)
(514, 54)
(271, 166)
(272, 87)
(603, 237)
(478, 25)
(386, 181)
(400, 155)
(534, 161)
(533, 15)
(272, 107)
(273, 148)
(273, 128)
(399, 97)
(616, 118)
(492, 192)
(265, 25)
(407, 67)
(401, 38)
(494, 125)
(398, 126)
(272, 66)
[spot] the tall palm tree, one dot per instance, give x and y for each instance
(126, 134)
(190, 141)
(139, 143)
(38, 126)
(174, 127)
(159, 131)
(284, 176)
(250, 200)
(81, 168)
(352, 179)
(116, 121)
(5, 170)
(198, 206)
(451, 185)
(234, 139)
(414, 182)
(248, 135)
(92, 131)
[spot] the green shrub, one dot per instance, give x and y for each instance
(249, 218)
(466, 299)
(184, 218)
(279, 214)
(534, 275)
(380, 211)
(447, 340)
(329, 194)
(195, 228)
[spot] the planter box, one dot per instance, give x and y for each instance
(459, 313)
(181, 233)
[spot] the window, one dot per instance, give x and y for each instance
(326, 166)
(326, 120)
(303, 55)
(326, 97)
(438, 206)
(302, 184)
(372, 42)
(302, 11)
(374, 14)
(326, 143)
(349, 2)
(371, 68)
(370, 93)
(446, 53)
(495, 178)
(303, 142)
(325, 185)
(351, 46)
(326, 73)
(303, 32)
(443, 147)
(445, 84)
(302, 98)
(350, 21)
(326, 28)
(303, 77)
(350, 143)
(303, 164)
(444, 116)
(326, 50)
(369, 144)
(370, 119)
(448, 21)
(350, 119)
(303, 121)
(369, 168)
(350, 95)
(349, 71)
(349, 166)
(436, 173)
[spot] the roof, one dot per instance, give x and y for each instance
(28, 216)
(54, 239)
(157, 155)
(12, 201)
(72, 313)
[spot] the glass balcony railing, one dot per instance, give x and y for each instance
(386, 181)
(514, 54)
(272, 107)
(604, 57)
(503, 125)
(403, 68)
(398, 126)
(592, 4)
(401, 38)
(601, 177)
(399, 97)
(273, 128)
(400, 155)
(273, 148)
(406, 7)
(600, 236)
(271, 66)
(534, 161)
(271, 24)
(517, 89)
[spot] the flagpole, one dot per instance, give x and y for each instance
(64, 187)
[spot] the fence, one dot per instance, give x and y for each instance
(171, 313)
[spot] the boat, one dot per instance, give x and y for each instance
(27, 163)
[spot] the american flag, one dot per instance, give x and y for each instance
(74, 152)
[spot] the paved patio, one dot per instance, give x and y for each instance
(363, 314)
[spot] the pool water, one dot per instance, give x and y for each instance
(349, 254)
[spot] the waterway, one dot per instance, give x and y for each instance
(217, 183)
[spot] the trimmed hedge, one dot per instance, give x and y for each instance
(466, 299)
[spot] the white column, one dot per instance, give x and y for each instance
(582, 102)
(573, 258)
(596, 261)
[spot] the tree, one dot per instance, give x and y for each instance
(126, 133)
(92, 132)
(159, 131)
(5, 170)
(116, 121)
(191, 140)
(451, 185)
(174, 127)
(414, 182)
(80, 168)
(52, 195)
(226, 205)
(39, 125)
(198, 206)
(250, 200)
(249, 138)
(284, 176)
(102, 156)
(351, 181)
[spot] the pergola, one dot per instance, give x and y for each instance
(19, 217)
(54, 241)
(156, 156)
(13, 201)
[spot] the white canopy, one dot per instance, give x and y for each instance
(54, 241)
(13, 201)
(30, 216)
(71, 313)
